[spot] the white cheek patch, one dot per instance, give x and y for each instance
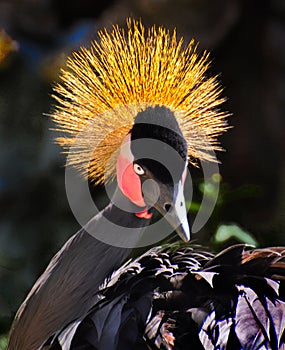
(125, 150)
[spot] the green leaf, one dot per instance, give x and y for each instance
(225, 232)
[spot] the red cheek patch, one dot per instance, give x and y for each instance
(129, 182)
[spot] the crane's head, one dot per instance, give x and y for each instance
(152, 167)
(138, 106)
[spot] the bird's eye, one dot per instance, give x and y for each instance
(138, 169)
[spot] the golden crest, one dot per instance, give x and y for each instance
(104, 87)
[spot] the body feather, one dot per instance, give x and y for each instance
(189, 299)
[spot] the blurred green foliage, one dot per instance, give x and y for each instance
(227, 232)
(219, 232)
(3, 342)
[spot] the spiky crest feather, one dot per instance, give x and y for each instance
(124, 73)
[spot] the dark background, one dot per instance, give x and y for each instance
(247, 44)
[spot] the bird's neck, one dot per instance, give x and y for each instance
(122, 211)
(118, 224)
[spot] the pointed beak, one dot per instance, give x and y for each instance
(182, 229)
(175, 213)
(171, 205)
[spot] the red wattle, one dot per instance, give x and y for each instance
(144, 214)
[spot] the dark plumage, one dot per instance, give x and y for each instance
(186, 298)
(159, 123)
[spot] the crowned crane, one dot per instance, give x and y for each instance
(137, 107)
